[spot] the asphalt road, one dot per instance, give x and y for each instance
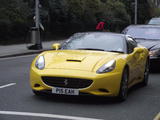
(17, 102)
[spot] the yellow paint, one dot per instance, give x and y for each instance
(56, 46)
(157, 117)
(62, 63)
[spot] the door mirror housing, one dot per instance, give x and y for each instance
(56, 46)
(138, 50)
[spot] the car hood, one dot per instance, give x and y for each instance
(77, 59)
(149, 44)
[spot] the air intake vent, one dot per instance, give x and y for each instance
(66, 82)
(73, 60)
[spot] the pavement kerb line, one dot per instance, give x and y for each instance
(22, 56)
(157, 117)
(7, 85)
(45, 115)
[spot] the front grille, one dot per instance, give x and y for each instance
(66, 82)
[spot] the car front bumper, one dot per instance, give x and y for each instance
(107, 84)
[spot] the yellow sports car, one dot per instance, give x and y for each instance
(91, 63)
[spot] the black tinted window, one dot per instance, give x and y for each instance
(131, 44)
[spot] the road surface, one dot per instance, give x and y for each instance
(17, 102)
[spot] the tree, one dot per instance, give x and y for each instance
(83, 15)
(62, 16)
(146, 10)
(13, 21)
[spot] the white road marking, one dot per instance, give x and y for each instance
(157, 117)
(45, 115)
(8, 85)
(22, 56)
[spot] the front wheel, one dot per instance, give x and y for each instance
(146, 74)
(37, 93)
(123, 93)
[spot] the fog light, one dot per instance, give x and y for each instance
(103, 90)
(36, 85)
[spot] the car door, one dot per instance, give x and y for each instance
(133, 60)
(141, 57)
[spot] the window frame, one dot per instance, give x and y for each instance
(131, 44)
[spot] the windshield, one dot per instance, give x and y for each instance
(95, 41)
(146, 33)
(154, 21)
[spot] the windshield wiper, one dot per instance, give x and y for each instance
(90, 49)
(140, 38)
(146, 39)
(153, 39)
(115, 51)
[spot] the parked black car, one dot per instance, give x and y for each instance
(148, 36)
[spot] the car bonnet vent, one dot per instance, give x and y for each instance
(71, 60)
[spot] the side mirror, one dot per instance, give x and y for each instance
(56, 46)
(138, 50)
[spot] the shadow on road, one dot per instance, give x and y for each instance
(78, 99)
(98, 100)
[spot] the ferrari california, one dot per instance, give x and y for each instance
(91, 63)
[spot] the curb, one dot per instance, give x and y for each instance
(21, 51)
(24, 53)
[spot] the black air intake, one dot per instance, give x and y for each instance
(66, 82)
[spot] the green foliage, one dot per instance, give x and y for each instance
(117, 15)
(83, 15)
(146, 10)
(156, 12)
(13, 19)
(68, 16)
(143, 11)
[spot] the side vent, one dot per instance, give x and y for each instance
(69, 60)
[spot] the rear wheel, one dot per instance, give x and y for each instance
(123, 93)
(146, 74)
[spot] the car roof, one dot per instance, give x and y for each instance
(155, 18)
(144, 26)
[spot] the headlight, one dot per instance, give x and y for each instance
(107, 67)
(40, 63)
(154, 53)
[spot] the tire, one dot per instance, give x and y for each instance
(146, 74)
(123, 93)
(37, 93)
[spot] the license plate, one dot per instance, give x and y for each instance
(65, 91)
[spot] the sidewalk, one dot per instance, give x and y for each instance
(21, 49)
